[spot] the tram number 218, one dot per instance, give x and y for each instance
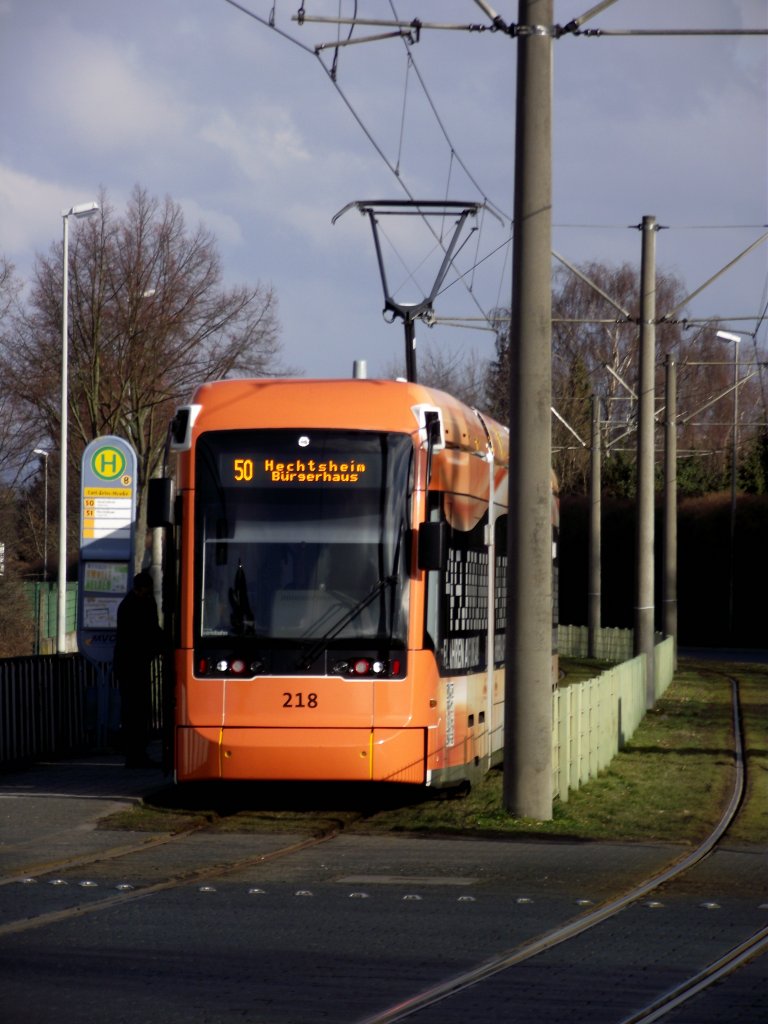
(300, 700)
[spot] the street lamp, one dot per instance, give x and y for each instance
(735, 338)
(44, 455)
(83, 210)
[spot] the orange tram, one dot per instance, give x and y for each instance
(341, 549)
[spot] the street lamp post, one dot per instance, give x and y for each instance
(83, 210)
(736, 339)
(44, 455)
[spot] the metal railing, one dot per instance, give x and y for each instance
(50, 707)
(594, 719)
(43, 706)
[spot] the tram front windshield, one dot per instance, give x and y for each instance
(301, 536)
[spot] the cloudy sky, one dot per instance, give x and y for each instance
(244, 128)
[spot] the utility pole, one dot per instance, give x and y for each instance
(595, 547)
(669, 596)
(644, 606)
(528, 687)
(736, 339)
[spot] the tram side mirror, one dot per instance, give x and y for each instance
(160, 502)
(433, 545)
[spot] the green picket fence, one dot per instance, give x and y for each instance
(594, 719)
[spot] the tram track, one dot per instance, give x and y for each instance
(129, 854)
(85, 860)
(131, 894)
(716, 970)
(181, 834)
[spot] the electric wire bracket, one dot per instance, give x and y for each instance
(412, 311)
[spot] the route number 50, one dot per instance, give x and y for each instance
(243, 470)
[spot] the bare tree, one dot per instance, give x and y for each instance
(16, 620)
(149, 320)
(460, 373)
(16, 430)
(595, 352)
(8, 287)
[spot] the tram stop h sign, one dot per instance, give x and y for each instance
(107, 543)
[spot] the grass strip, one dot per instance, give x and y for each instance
(669, 784)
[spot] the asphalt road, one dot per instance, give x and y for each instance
(339, 931)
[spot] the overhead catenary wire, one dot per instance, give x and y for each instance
(447, 191)
(504, 214)
(723, 270)
(334, 65)
(596, 33)
(573, 28)
(408, 66)
(271, 24)
(393, 168)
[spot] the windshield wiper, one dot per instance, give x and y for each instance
(321, 644)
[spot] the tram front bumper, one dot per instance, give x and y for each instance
(377, 755)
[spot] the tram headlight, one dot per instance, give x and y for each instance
(363, 667)
(228, 666)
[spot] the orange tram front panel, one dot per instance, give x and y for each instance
(298, 728)
(304, 728)
(313, 645)
(453, 743)
(344, 755)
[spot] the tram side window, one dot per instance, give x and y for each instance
(434, 584)
(456, 624)
(500, 588)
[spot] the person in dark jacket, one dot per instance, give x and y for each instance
(139, 641)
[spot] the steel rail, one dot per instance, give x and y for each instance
(174, 882)
(112, 853)
(406, 1008)
(466, 979)
(754, 946)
